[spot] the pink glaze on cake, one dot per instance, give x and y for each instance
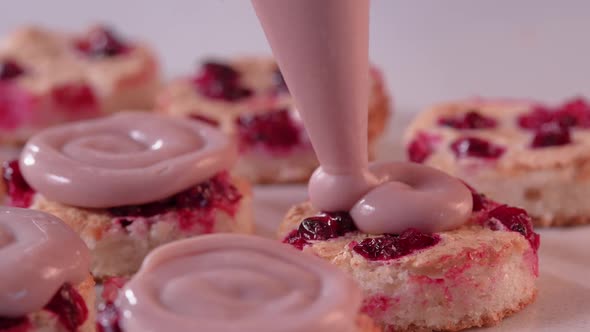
(327, 75)
(125, 159)
(38, 254)
(217, 282)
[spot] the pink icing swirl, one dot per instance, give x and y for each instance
(220, 282)
(125, 159)
(38, 254)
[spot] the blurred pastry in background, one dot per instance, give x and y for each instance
(49, 77)
(248, 99)
(524, 153)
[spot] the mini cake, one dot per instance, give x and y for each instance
(225, 282)
(45, 282)
(130, 182)
(523, 153)
(48, 77)
(419, 281)
(248, 98)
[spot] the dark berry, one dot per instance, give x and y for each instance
(326, 226)
(15, 324)
(20, 194)
(391, 246)
(535, 119)
(421, 147)
(274, 130)
(470, 120)
(551, 134)
(9, 69)
(75, 98)
(295, 239)
(102, 42)
(516, 220)
(69, 306)
(220, 81)
(476, 147)
(574, 113)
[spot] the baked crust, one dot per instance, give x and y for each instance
(551, 183)
(120, 253)
(464, 262)
(180, 98)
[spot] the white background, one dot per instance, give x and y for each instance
(430, 50)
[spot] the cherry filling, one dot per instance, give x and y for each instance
(391, 246)
(20, 194)
(67, 304)
(470, 120)
(75, 98)
(325, 226)
(220, 81)
(275, 130)
(551, 134)
(574, 113)
(195, 205)
(421, 147)
(516, 220)
(476, 147)
(102, 43)
(9, 69)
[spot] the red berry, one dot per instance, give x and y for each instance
(476, 147)
(391, 246)
(421, 147)
(9, 69)
(20, 194)
(220, 81)
(470, 120)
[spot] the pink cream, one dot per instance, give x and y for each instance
(125, 159)
(220, 282)
(322, 50)
(38, 254)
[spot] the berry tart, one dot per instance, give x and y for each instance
(220, 282)
(249, 99)
(48, 77)
(45, 284)
(527, 154)
(130, 182)
(469, 276)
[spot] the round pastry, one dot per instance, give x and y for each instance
(470, 276)
(523, 153)
(47, 78)
(45, 284)
(248, 99)
(225, 282)
(130, 182)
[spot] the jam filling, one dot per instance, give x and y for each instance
(102, 42)
(469, 120)
(421, 147)
(10, 69)
(193, 206)
(275, 131)
(220, 81)
(477, 148)
(67, 304)
(75, 98)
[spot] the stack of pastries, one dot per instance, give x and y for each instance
(142, 191)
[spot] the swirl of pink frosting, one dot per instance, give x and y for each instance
(124, 159)
(38, 254)
(412, 195)
(223, 283)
